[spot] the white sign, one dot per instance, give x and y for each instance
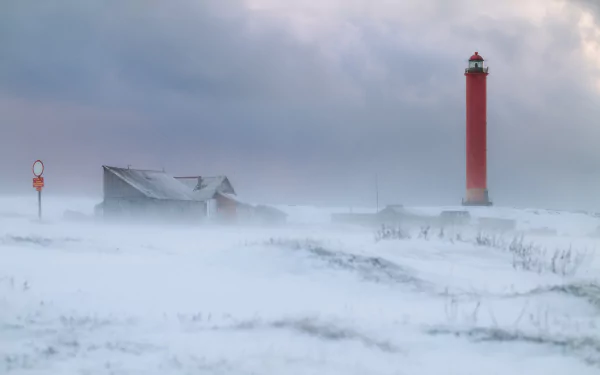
(38, 168)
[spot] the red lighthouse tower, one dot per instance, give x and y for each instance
(476, 73)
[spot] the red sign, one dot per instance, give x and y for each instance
(38, 183)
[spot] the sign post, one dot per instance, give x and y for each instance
(38, 183)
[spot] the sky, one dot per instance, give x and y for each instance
(304, 101)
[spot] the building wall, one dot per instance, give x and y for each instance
(153, 210)
(211, 208)
(226, 208)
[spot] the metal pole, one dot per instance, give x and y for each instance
(40, 204)
(377, 190)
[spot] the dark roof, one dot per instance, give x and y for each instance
(476, 57)
(153, 184)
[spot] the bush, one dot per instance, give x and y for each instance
(526, 256)
(388, 233)
(536, 258)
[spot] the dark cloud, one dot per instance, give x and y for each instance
(213, 87)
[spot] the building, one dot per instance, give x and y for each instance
(393, 214)
(223, 204)
(218, 194)
(148, 195)
(454, 218)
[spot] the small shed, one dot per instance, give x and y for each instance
(147, 194)
(218, 194)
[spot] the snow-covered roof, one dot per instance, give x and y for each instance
(205, 188)
(234, 198)
(190, 182)
(153, 184)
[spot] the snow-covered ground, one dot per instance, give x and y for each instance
(87, 298)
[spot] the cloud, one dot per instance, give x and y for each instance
(304, 100)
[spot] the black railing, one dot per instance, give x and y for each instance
(476, 70)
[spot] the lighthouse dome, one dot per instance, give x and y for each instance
(476, 57)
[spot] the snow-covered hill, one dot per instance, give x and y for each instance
(80, 297)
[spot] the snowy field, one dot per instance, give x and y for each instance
(307, 298)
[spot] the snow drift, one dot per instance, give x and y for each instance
(79, 297)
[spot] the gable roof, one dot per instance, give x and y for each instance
(153, 184)
(205, 188)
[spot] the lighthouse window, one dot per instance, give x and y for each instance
(476, 64)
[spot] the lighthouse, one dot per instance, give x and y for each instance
(476, 75)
